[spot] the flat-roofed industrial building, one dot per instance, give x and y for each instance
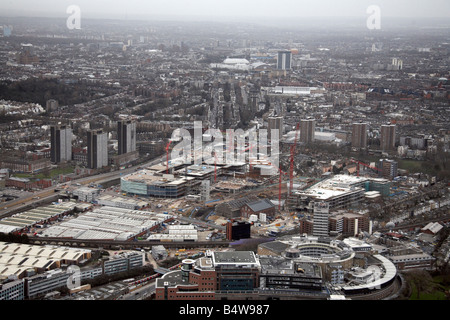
(108, 223)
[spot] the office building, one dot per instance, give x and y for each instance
(284, 60)
(146, 183)
(41, 284)
(123, 262)
(126, 136)
(359, 135)
(387, 137)
(97, 151)
(217, 275)
(321, 215)
(281, 273)
(307, 129)
(348, 223)
(238, 230)
(388, 168)
(61, 143)
(12, 290)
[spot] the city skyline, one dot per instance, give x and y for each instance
(232, 9)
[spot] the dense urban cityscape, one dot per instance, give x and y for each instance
(193, 160)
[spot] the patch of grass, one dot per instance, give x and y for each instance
(23, 175)
(58, 171)
(435, 295)
(435, 290)
(46, 174)
(414, 166)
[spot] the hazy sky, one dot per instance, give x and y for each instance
(120, 9)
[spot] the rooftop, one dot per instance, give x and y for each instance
(16, 258)
(433, 227)
(334, 186)
(234, 257)
(148, 177)
(260, 205)
(276, 246)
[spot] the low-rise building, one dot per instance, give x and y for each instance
(30, 165)
(12, 290)
(85, 194)
(123, 262)
(413, 261)
(232, 209)
(257, 207)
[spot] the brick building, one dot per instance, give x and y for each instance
(257, 207)
(208, 278)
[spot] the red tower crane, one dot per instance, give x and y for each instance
(167, 156)
(279, 187)
(279, 192)
(215, 167)
(358, 163)
(291, 169)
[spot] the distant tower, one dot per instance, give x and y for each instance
(51, 105)
(254, 99)
(126, 136)
(387, 137)
(359, 135)
(397, 63)
(307, 130)
(61, 144)
(7, 31)
(97, 153)
(275, 123)
(284, 60)
(26, 55)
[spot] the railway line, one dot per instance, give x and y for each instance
(423, 223)
(116, 245)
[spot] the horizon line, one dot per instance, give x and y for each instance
(137, 16)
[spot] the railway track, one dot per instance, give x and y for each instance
(415, 224)
(113, 244)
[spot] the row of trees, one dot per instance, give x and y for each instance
(37, 90)
(16, 238)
